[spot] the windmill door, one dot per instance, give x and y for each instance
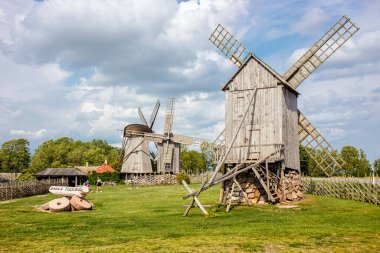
(252, 142)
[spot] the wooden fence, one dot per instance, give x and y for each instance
(14, 190)
(344, 188)
(162, 179)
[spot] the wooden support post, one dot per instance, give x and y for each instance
(283, 181)
(241, 189)
(267, 172)
(195, 199)
(221, 193)
(230, 201)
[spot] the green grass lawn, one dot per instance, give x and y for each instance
(150, 219)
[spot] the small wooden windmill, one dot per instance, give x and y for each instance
(168, 144)
(263, 126)
(136, 156)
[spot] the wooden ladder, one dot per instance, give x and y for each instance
(270, 188)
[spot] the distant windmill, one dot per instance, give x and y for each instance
(137, 137)
(263, 126)
(136, 156)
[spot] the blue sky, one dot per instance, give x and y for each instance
(80, 68)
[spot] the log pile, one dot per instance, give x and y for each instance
(293, 189)
(67, 203)
(250, 185)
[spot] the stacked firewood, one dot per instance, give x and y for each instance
(252, 187)
(67, 203)
(293, 188)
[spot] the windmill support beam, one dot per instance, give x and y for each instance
(231, 174)
(195, 199)
(220, 164)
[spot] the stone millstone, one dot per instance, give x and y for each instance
(80, 204)
(59, 205)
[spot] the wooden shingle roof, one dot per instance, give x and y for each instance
(59, 172)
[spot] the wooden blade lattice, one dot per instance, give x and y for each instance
(154, 114)
(169, 116)
(214, 151)
(331, 41)
(326, 158)
(229, 46)
(142, 118)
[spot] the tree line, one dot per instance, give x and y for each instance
(15, 156)
(64, 152)
(356, 163)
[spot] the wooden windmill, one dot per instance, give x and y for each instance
(263, 126)
(168, 144)
(136, 156)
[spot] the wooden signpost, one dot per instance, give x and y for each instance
(68, 191)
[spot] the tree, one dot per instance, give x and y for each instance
(15, 155)
(308, 165)
(356, 163)
(65, 152)
(193, 161)
(376, 166)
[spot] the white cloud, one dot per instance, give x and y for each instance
(311, 21)
(28, 134)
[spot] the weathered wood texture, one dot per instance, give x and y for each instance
(272, 119)
(162, 179)
(139, 160)
(343, 189)
(290, 129)
(23, 189)
(173, 154)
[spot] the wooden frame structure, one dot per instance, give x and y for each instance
(263, 126)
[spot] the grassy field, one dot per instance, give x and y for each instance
(150, 219)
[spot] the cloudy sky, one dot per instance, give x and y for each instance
(80, 68)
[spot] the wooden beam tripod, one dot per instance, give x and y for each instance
(195, 199)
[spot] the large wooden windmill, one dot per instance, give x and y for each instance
(137, 137)
(263, 126)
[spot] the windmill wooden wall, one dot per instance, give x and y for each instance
(275, 115)
(174, 151)
(139, 160)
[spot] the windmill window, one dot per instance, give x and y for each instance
(167, 166)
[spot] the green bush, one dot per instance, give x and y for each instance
(184, 176)
(106, 176)
(26, 177)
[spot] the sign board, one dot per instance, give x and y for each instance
(69, 191)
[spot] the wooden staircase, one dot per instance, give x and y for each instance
(269, 182)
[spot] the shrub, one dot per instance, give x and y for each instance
(106, 176)
(26, 177)
(183, 176)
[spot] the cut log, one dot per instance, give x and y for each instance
(80, 204)
(59, 205)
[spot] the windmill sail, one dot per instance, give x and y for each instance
(326, 158)
(154, 114)
(142, 118)
(229, 46)
(331, 41)
(169, 116)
